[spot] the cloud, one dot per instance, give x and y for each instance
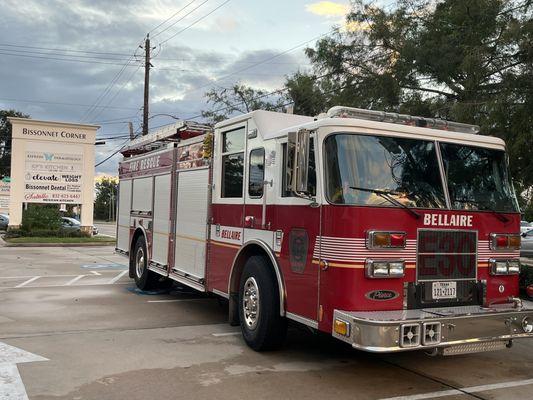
(328, 9)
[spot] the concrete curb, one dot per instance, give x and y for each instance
(89, 244)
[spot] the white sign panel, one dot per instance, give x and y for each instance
(53, 174)
(4, 196)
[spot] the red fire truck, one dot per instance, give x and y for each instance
(388, 231)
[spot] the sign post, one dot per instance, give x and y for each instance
(52, 163)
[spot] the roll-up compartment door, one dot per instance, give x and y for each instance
(124, 209)
(161, 226)
(191, 222)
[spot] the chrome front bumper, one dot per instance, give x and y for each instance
(452, 330)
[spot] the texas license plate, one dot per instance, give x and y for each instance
(444, 290)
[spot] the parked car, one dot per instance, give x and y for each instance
(73, 225)
(525, 226)
(4, 221)
(526, 248)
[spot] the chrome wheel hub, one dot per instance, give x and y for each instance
(139, 262)
(250, 303)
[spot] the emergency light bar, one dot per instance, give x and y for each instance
(404, 119)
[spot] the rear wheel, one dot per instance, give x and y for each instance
(144, 278)
(262, 326)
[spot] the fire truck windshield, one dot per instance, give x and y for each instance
(478, 178)
(408, 169)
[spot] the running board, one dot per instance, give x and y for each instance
(158, 268)
(197, 284)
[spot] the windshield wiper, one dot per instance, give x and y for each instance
(482, 205)
(387, 195)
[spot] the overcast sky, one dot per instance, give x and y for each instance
(48, 83)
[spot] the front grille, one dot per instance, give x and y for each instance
(446, 255)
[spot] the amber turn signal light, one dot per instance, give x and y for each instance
(385, 240)
(504, 241)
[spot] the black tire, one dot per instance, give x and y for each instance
(144, 278)
(268, 329)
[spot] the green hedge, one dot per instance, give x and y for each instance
(41, 217)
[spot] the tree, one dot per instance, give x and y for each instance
(5, 140)
(105, 203)
(239, 99)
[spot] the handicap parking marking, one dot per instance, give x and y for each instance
(463, 391)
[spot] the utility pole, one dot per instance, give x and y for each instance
(147, 66)
(132, 135)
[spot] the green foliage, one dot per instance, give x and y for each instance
(41, 217)
(105, 204)
(239, 99)
(5, 140)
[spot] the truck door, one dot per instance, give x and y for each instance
(296, 228)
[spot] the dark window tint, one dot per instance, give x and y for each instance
(311, 176)
(233, 141)
(478, 178)
(232, 173)
(256, 173)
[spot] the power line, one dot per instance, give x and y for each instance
(194, 23)
(263, 61)
(172, 16)
(63, 50)
(60, 103)
(107, 106)
(57, 58)
(75, 56)
(182, 18)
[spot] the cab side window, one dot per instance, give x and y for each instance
(311, 177)
(256, 173)
(232, 163)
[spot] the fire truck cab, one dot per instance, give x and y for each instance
(388, 231)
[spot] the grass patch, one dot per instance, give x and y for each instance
(67, 240)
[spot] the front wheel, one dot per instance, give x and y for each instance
(262, 326)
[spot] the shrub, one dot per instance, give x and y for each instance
(42, 218)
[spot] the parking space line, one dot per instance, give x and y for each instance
(226, 334)
(116, 278)
(96, 273)
(76, 279)
(28, 281)
(462, 391)
(59, 286)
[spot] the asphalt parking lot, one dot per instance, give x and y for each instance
(73, 326)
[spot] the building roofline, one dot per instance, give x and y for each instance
(32, 121)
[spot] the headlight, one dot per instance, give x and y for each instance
(385, 268)
(504, 267)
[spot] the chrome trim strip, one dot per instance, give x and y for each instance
(302, 320)
(380, 331)
(158, 268)
(220, 293)
(443, 177)
(188, 282)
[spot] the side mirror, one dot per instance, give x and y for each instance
(523, 234)
(298, 162)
